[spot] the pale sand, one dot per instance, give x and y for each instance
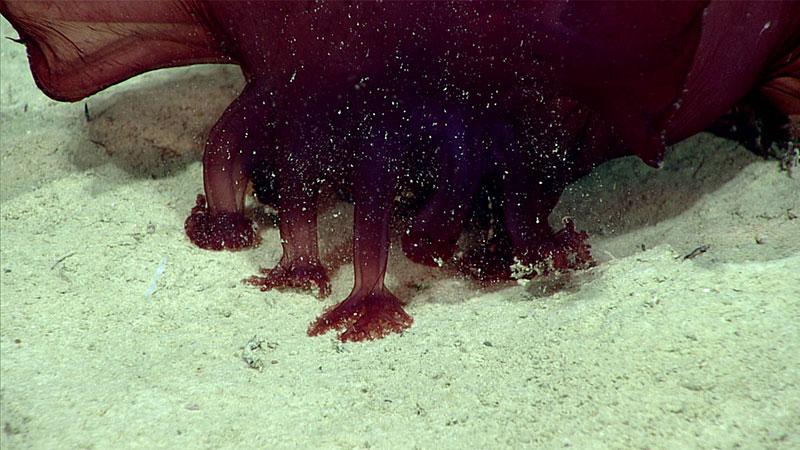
(646, 350)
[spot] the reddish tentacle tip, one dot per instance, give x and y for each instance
(568, 250)
(563, 251)
(576, 251)
(219, 231)
(363, 317)
(307, 277)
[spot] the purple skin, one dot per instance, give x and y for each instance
(535, 94)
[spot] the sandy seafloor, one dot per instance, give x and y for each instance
(646, 350)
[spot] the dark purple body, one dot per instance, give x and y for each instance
(436, 99)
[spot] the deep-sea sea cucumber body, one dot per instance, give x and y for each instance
(457, 104)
